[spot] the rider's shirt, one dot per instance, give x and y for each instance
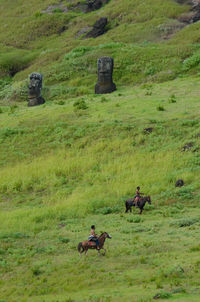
(92, 234)
(137, 193)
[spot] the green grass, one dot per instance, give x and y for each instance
(37, 44)
(74, 166)
(44, 266)
(73, 161)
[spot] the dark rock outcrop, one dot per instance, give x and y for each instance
(148, 130)
(187, 146)
(194, 14)
(179, 183)
(99, 28)
(95, 4)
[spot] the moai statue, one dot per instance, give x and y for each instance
(105, 69)
(35, 87)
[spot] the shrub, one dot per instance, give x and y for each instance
(184, 222)
(108, 210)
(13, 108)
(60, 103)
(191, 62)
(57, 10)
(9, 132)
(160, 108)
(162, 295)
(150, 69)
(195, 248)
(37, 14)
(64, 240)
(134, 219)
(172, 99)
(185, 193)
(80, 105)
(36, 271)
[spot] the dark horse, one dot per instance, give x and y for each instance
(85, 245)
(140, 204)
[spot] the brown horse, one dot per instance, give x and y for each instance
(140, 204)
(85, 245)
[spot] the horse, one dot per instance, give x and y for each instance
(129, 203)
(85, 245)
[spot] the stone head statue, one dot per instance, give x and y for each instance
(105, 69)
(35, 88)
(35, 85)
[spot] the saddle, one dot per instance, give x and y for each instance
(92, 243)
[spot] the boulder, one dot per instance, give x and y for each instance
(179, 183)
(95, 4)
(187, 146)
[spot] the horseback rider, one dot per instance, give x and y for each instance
(94, 237)
(137, 196)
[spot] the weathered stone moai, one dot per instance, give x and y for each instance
(35, 88)
(105, 69)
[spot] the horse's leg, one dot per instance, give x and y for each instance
(130, 209)
(86, 250)
(81, 250)
(104, 251)
(141, 211)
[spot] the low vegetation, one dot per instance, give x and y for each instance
(73, 161)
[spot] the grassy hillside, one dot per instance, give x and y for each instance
(73, 161)
(145, 39)
(64, 168)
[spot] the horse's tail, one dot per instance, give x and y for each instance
(80, 246)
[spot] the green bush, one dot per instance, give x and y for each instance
(172, 99)
(134, 219)
(191, 62)
(108, 210)
(184, 222)
(160, 108)
(36, 271)
(57, 10)
(162, 295)
(80, 105)
(64, 240)
(61, 102)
